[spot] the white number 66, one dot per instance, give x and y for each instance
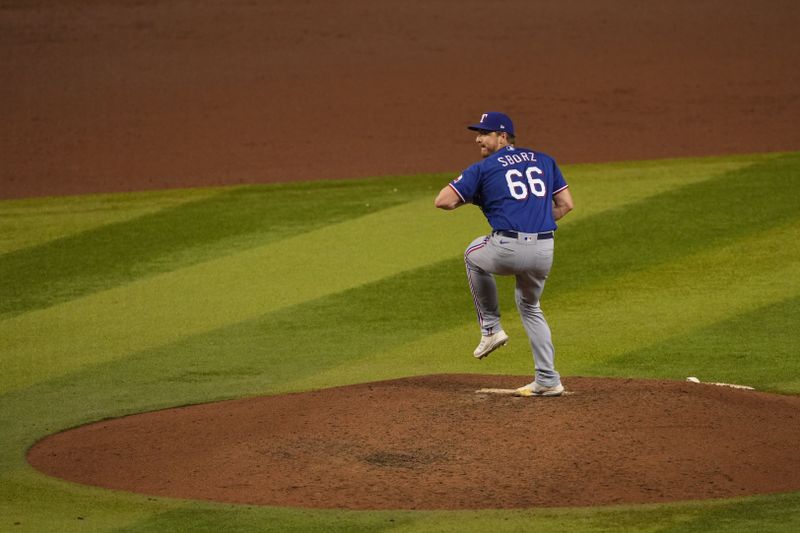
(518, 189)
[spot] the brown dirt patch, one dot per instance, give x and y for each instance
(433, 443)
(126, 95)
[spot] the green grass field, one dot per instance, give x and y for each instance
(116, 304)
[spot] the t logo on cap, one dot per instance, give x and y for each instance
(494, 121)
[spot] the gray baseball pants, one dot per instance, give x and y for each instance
(529, 260)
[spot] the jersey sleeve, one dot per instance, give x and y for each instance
(466, 185)
(559, 183)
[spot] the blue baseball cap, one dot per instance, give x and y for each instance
(494, 121)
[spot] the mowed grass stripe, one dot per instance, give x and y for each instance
(34, 222)
(37, 501)
(164, 308)
(603, 188)
(629, 312)
(115, 247)
(182, 235)
(757, 347)
(680, 221)
(212, 295)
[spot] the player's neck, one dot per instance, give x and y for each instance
(502, 144)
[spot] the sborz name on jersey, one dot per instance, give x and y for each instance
(519, 157)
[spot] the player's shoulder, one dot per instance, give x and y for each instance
(475, 168)
(540, 156)
(513, 149)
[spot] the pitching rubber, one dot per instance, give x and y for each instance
(520, 393)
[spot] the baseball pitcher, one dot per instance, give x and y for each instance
(522, 193)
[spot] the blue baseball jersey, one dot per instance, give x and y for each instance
(514, 188)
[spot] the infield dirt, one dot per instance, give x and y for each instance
(128, 95)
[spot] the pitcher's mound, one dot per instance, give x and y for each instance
(433, 443)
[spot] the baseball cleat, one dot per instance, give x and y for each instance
(535, 389)
(490, 343)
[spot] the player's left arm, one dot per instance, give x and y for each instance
(562, 203)
(448, 198)
(562, 198)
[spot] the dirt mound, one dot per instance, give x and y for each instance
(432, 442)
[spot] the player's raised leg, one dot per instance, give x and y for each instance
(483, 287)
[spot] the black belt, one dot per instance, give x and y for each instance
(514, 234)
